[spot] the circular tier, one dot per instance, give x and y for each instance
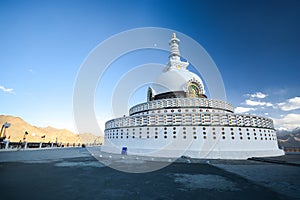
(182, 103)
(190, 117)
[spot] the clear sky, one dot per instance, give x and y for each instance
(255, 44)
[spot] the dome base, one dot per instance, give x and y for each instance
(175, 94)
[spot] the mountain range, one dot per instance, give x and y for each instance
(20, 129)
(289, 138)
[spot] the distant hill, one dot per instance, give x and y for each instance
(289, 138)
(16, 132)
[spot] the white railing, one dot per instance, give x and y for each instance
(181, 102)
(194, 119)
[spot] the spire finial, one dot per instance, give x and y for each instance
(174, 46)
(174, 35)
(174, 57)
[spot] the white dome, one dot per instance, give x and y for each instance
(175, 79)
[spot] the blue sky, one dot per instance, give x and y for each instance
(255, 45)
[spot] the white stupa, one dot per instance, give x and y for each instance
(179, 120)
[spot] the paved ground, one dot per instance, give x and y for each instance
(86, 178)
